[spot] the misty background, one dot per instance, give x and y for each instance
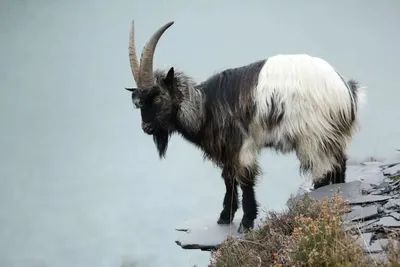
(82, 185)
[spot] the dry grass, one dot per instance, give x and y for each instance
(307, 233)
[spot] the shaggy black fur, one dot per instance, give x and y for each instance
(229, 108)
(228, 111)
(231, 201)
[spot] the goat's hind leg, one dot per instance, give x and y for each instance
(321, 182)
(337, 174)
(326, 168)
(230, 204)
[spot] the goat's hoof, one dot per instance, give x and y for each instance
(242, 229)
(245, 226)
(225, 218)
(223, 221)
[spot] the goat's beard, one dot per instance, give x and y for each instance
(161, 139)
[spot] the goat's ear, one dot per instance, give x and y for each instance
(169, 79)
(135, 98)
(133, 90)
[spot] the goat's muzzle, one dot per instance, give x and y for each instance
(148, 128)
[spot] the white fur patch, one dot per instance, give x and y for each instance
(313, 96)
(248, 153)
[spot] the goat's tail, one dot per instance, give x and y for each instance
(357, 92)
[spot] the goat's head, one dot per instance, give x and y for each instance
(155, 96)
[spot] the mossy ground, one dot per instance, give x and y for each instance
(306, 233)
(395, 178)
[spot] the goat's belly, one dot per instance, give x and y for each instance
(279, 141)
(260, 138)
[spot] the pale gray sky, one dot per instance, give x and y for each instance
(81, 185)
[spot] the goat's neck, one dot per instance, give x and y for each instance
(191, 113)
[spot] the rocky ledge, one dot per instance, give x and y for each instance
(372, 190)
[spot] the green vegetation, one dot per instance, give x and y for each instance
(395, 178)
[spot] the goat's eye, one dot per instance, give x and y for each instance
(157, 99)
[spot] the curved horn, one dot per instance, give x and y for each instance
(132, 55)
(146, 61)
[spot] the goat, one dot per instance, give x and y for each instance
(289, 103)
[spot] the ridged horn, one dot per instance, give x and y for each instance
(132, 55)
(146, 60)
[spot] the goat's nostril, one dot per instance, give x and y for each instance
(147, 127)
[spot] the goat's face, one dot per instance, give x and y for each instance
(157, 105)
(154, 95)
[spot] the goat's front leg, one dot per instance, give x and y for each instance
(230, 204)
(249, 203)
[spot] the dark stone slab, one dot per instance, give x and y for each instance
(361, 226)
(392, 204)
(206, 234)
(368, 199)
(388, 222)
(395, 215)
(371, 174)
(347, 191)
(383, 188)
(389, 165)
(362, 213)
(375, 247)
(365, 240)
(393, 170)
(352, 192)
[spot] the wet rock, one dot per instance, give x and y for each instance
(372, 163)
(369, 190)
(368, 199)
(381, 209)
(385, 187)
(374, 247)
(352, 192)
(395, 187)
(365, 226)
(347, 191)
(365, 241)
(361, 213)
(388, 222)
(206, 234)
(392, 204)
(367, 174)
(389, 165)
(392, 170)
(395, 215)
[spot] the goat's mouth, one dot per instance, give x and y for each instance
(148, 128)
